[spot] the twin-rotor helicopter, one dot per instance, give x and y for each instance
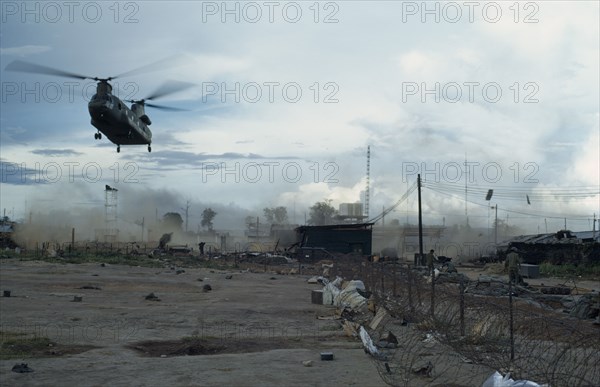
(109, 115)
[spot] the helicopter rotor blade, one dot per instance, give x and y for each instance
(168, 108)
(26, 67)
(169, 87)
(159, 65)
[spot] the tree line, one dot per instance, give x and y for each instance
(320, 214)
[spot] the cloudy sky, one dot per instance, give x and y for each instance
(289, 95)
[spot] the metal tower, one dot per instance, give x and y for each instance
(110, 214)
(368, 188)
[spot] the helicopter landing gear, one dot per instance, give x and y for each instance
(118, 148)
(149, 148)
(98, 136)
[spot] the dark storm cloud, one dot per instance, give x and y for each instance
(168, 159)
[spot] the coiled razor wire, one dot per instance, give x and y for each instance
(468, 336)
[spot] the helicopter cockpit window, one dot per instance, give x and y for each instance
(119, 106)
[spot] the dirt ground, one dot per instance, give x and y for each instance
(250, 329)
(254, 329)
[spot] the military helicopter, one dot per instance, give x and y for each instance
(111, 116)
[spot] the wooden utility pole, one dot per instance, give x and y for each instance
(420, 220)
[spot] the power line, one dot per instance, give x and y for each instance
(458, 195)
(410, 190)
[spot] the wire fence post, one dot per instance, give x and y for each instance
(510, 307)
(394, 279)
(432, 292)
(462, 307)
(382, 266)
(410, 297)
(372, 281)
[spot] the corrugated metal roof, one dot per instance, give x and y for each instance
(595, 235)
(577, 237)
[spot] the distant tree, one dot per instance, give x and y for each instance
(321, 213)
(276, 215)
(172, 221)
(250, 223)
(250, 220)
(207, 218)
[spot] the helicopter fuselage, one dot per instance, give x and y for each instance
(117, 122)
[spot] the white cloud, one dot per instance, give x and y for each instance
(369, 54)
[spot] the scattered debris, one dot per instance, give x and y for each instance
(451, 277)
(307, 363)
(330, 291)
(586, 307)
(77, 299)
(272, 278)
(89, 287)
(390, 341)
(424, 370)
(21, 368)
(180, 271)
(326, 356)
(430, 338)
(497, 380)
(6, 293)
(316, 297)
(200, 279)
(562, 290)
(334, 317)
(152, 297)
(387, 368)
(206, 288)
(367, 342)
(381, 316)
(350, 328)
(228, 276)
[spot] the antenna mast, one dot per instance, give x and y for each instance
(368, 188)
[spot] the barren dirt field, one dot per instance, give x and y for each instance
(253, 329)
(98, 324)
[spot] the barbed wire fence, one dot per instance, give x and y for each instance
(450, 330)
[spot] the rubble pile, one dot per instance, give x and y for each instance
(380, 321)
(586, 306)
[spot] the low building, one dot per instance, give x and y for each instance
(7, 230)
(316, 242)
(562, 247)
